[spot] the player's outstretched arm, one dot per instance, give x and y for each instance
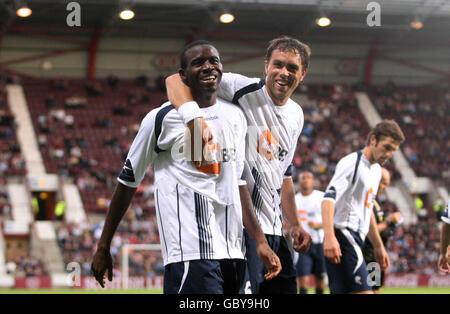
(444, 258)
(102, 260)
(265, 253)
(331, 247)
(380, 252)
(302, 239)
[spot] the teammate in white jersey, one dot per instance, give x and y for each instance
(444, 257)
(274, 125)
(308, 202)
(347, 211)
(199, 212)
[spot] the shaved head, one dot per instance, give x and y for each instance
(384, 182)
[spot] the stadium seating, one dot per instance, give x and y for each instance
(78, 244)
(424, 115)
(92, 143)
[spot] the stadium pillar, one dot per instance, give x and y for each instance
(93, 47)
(369, 63)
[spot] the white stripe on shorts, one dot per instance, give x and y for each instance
(185, 273)
(356, 247)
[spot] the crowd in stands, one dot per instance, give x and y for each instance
(424, 115)
(26, 266)
(11, 160)
(78, 243)
(89, 141)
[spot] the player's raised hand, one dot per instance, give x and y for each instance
(101, 263)
(302, 239)
(270, 260)
(332, 249)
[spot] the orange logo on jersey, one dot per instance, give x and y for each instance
(303, 215)
(369, 199)
(211, 153)
(267, 145)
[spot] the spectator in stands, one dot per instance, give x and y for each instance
(103, 123)
(94, 88)
(50, 101)
(112, 81)
(120, 110)
(69, 120)
(60, 84)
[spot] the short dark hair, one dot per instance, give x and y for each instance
(284, 43)
(183, 62)
(387, 128)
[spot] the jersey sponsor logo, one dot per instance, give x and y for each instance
(303, 215)
(211, 165)
(211, 118)
(369, 199)
(269, 147)
(214, 156)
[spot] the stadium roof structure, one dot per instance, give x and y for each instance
(256, 22)
(255, 19)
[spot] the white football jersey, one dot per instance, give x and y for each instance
(353, 189)
(446, 215)
(310, 209)
(198, 209)
(273, 133)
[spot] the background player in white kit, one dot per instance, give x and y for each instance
(308, 202)
(444, 257)
(347, 210)
(199, 212)
(274, 122)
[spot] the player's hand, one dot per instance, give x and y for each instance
(270, 260)
(198, 131)
(382, 257)
(444, 261)
(395, 217)
(332, 249)
(444, 264)
(101, 263)
(178, 93)
(302, 239)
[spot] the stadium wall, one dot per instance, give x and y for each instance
(130, 57)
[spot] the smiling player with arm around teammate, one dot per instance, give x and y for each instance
(199, 212)
(347, 210)
(275, 122)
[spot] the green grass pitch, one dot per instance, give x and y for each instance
(419, 290)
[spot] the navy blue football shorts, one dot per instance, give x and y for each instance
(351, 274)
(204, 277)
(312, 262)
(285, 282)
